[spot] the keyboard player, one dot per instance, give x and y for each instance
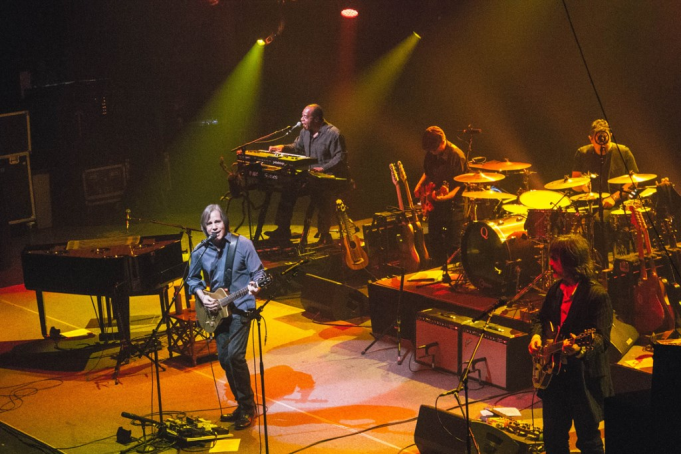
(321, 140)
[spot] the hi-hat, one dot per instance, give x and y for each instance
(489, 194)
(633, 178)
(566, 183)
(647, 192)
(479, 177)
(504, 166)
(588, 196)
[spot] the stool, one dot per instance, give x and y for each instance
(186, 337)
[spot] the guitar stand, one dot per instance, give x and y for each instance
(397, 324)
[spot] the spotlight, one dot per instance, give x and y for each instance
(261, 42)
(349, 13)
(349, 9)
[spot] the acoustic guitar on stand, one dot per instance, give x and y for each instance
(355, 256)
(209, 320)
(652, 310)
(419, 236)
(409, 256)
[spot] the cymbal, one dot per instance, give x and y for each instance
(479, 177)
(634, 177)
(623, 211)
(543, 200)
(489, 194)
(566, 183)
(647, 192)
(504, 166)
(515, 208)
(588, 196)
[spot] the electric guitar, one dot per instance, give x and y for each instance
(209, 320)
(419, 237)
(409, 256)
(651, 306)
(546, 362)
(426, 196)
(355, 256)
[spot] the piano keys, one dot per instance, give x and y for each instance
(280, 160)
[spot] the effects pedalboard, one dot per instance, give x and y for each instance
(516, 428)
(190, 430)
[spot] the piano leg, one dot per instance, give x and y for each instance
(306, 224)
(41, 311)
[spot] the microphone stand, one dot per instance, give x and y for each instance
(259, 139)
(463, 381)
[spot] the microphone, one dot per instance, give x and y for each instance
(208, 240)
(472, 131)
(294, 266)
(296, 126)
(142, 419)
(427, 346)
(127, 219)
(602, 137)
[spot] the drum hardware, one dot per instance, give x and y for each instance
(589, 197)
(632, 178)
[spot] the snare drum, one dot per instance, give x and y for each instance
(498, 256)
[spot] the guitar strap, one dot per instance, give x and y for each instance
(229, 261)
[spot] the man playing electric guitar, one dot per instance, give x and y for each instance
(443, 161)
(228, 261)
(576, 303)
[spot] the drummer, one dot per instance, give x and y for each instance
(443, 161)
(607, 160)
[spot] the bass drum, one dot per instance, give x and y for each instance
(498, 257)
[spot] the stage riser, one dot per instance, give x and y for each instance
(383, 303)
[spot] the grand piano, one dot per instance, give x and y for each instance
(111, 268)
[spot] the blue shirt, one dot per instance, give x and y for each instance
(211, 261)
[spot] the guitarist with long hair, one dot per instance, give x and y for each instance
(576, 303)
(230, 262)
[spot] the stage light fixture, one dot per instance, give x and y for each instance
(349, 9)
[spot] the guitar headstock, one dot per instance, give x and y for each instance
(586, 339)
(264, 279)
(403, 174)
(393, 174)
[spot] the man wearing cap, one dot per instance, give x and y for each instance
(443, 162)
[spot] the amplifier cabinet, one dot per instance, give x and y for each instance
(438, 335)
(502, 359)
(16, 188)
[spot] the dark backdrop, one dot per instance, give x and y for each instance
(511, 68)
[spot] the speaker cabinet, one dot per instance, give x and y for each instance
(502, 359)
(437, 339)
(332, 299)
(665, 398)
(16, 188)
(441, 432)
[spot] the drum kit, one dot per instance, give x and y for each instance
(505, 243)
